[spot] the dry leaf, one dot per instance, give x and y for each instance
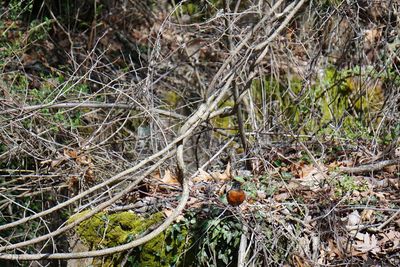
(224, 176)
(368, 244)
(367, 214)
(228, 169)
(346, 163)
(194, 203)
(156, 175)
(333, 165)
(372, 36)
(168, 212)
(306, 171)
(311, 176)
(169, 178)
(390, 240)
(353, 219)
(84, 160)
(222, 190)
(281, 197)
(202, 177)
(70, 153)
(73, 182)
(214, 176)
(299, 261)
(333, 249)
(390, 169)
(89, 175)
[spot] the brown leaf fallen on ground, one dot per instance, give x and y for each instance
(169, 178)
(168, 213)
(224, 176)
(84, 160)
(203, 176)
(71, 153)
(390, 241)
(369, 243)
(333, 250)
(282, 197)
(309, 176)
(366, 215)
(353, 219)
(217, 176)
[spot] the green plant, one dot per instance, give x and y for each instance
(199, 10)
(221, 241)
(38, 30)
(348, 184)
(166, 249)
(17, 8)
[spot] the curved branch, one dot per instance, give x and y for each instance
(91, 105)
(108, 251)
(96, 187)
(92, 212)
(198, 117)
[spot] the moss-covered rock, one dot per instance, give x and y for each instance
(105, 230)
(109, 230)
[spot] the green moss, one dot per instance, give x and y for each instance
(227, 123)
(171, 98)
(109, 230)
(105, 230)
(199, 10)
